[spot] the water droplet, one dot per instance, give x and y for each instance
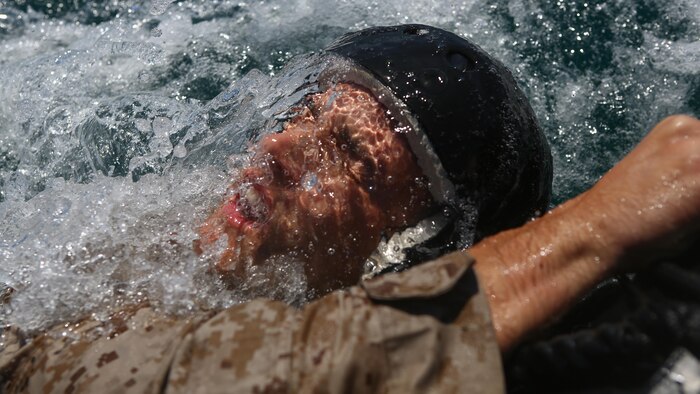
(180, 151)
(158, 7)
(309, 180)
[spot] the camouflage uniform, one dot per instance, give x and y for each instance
(424, 330)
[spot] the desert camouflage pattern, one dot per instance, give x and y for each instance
(423, 330)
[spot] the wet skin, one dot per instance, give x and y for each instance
(643, 210)
(321, 192)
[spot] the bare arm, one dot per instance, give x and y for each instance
(646, 207)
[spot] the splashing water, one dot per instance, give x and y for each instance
(121, 123)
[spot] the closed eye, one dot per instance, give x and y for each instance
(349, 144)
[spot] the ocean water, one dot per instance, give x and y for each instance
(121, 123)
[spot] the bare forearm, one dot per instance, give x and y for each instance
(647, 206)
(533, 273)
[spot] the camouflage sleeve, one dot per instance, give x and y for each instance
(423, 330)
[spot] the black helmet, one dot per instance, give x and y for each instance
(479, 126)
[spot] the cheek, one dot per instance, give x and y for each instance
(343, 204)
(315, 205)
(323, 201)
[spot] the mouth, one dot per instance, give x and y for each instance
(250, 206)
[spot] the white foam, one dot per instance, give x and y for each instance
(159, 6)
(128, 98)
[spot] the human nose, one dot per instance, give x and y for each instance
(274, 144)
(279, 153)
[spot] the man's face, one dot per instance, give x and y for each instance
(322, 192)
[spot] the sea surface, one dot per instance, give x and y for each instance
(121, 123)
